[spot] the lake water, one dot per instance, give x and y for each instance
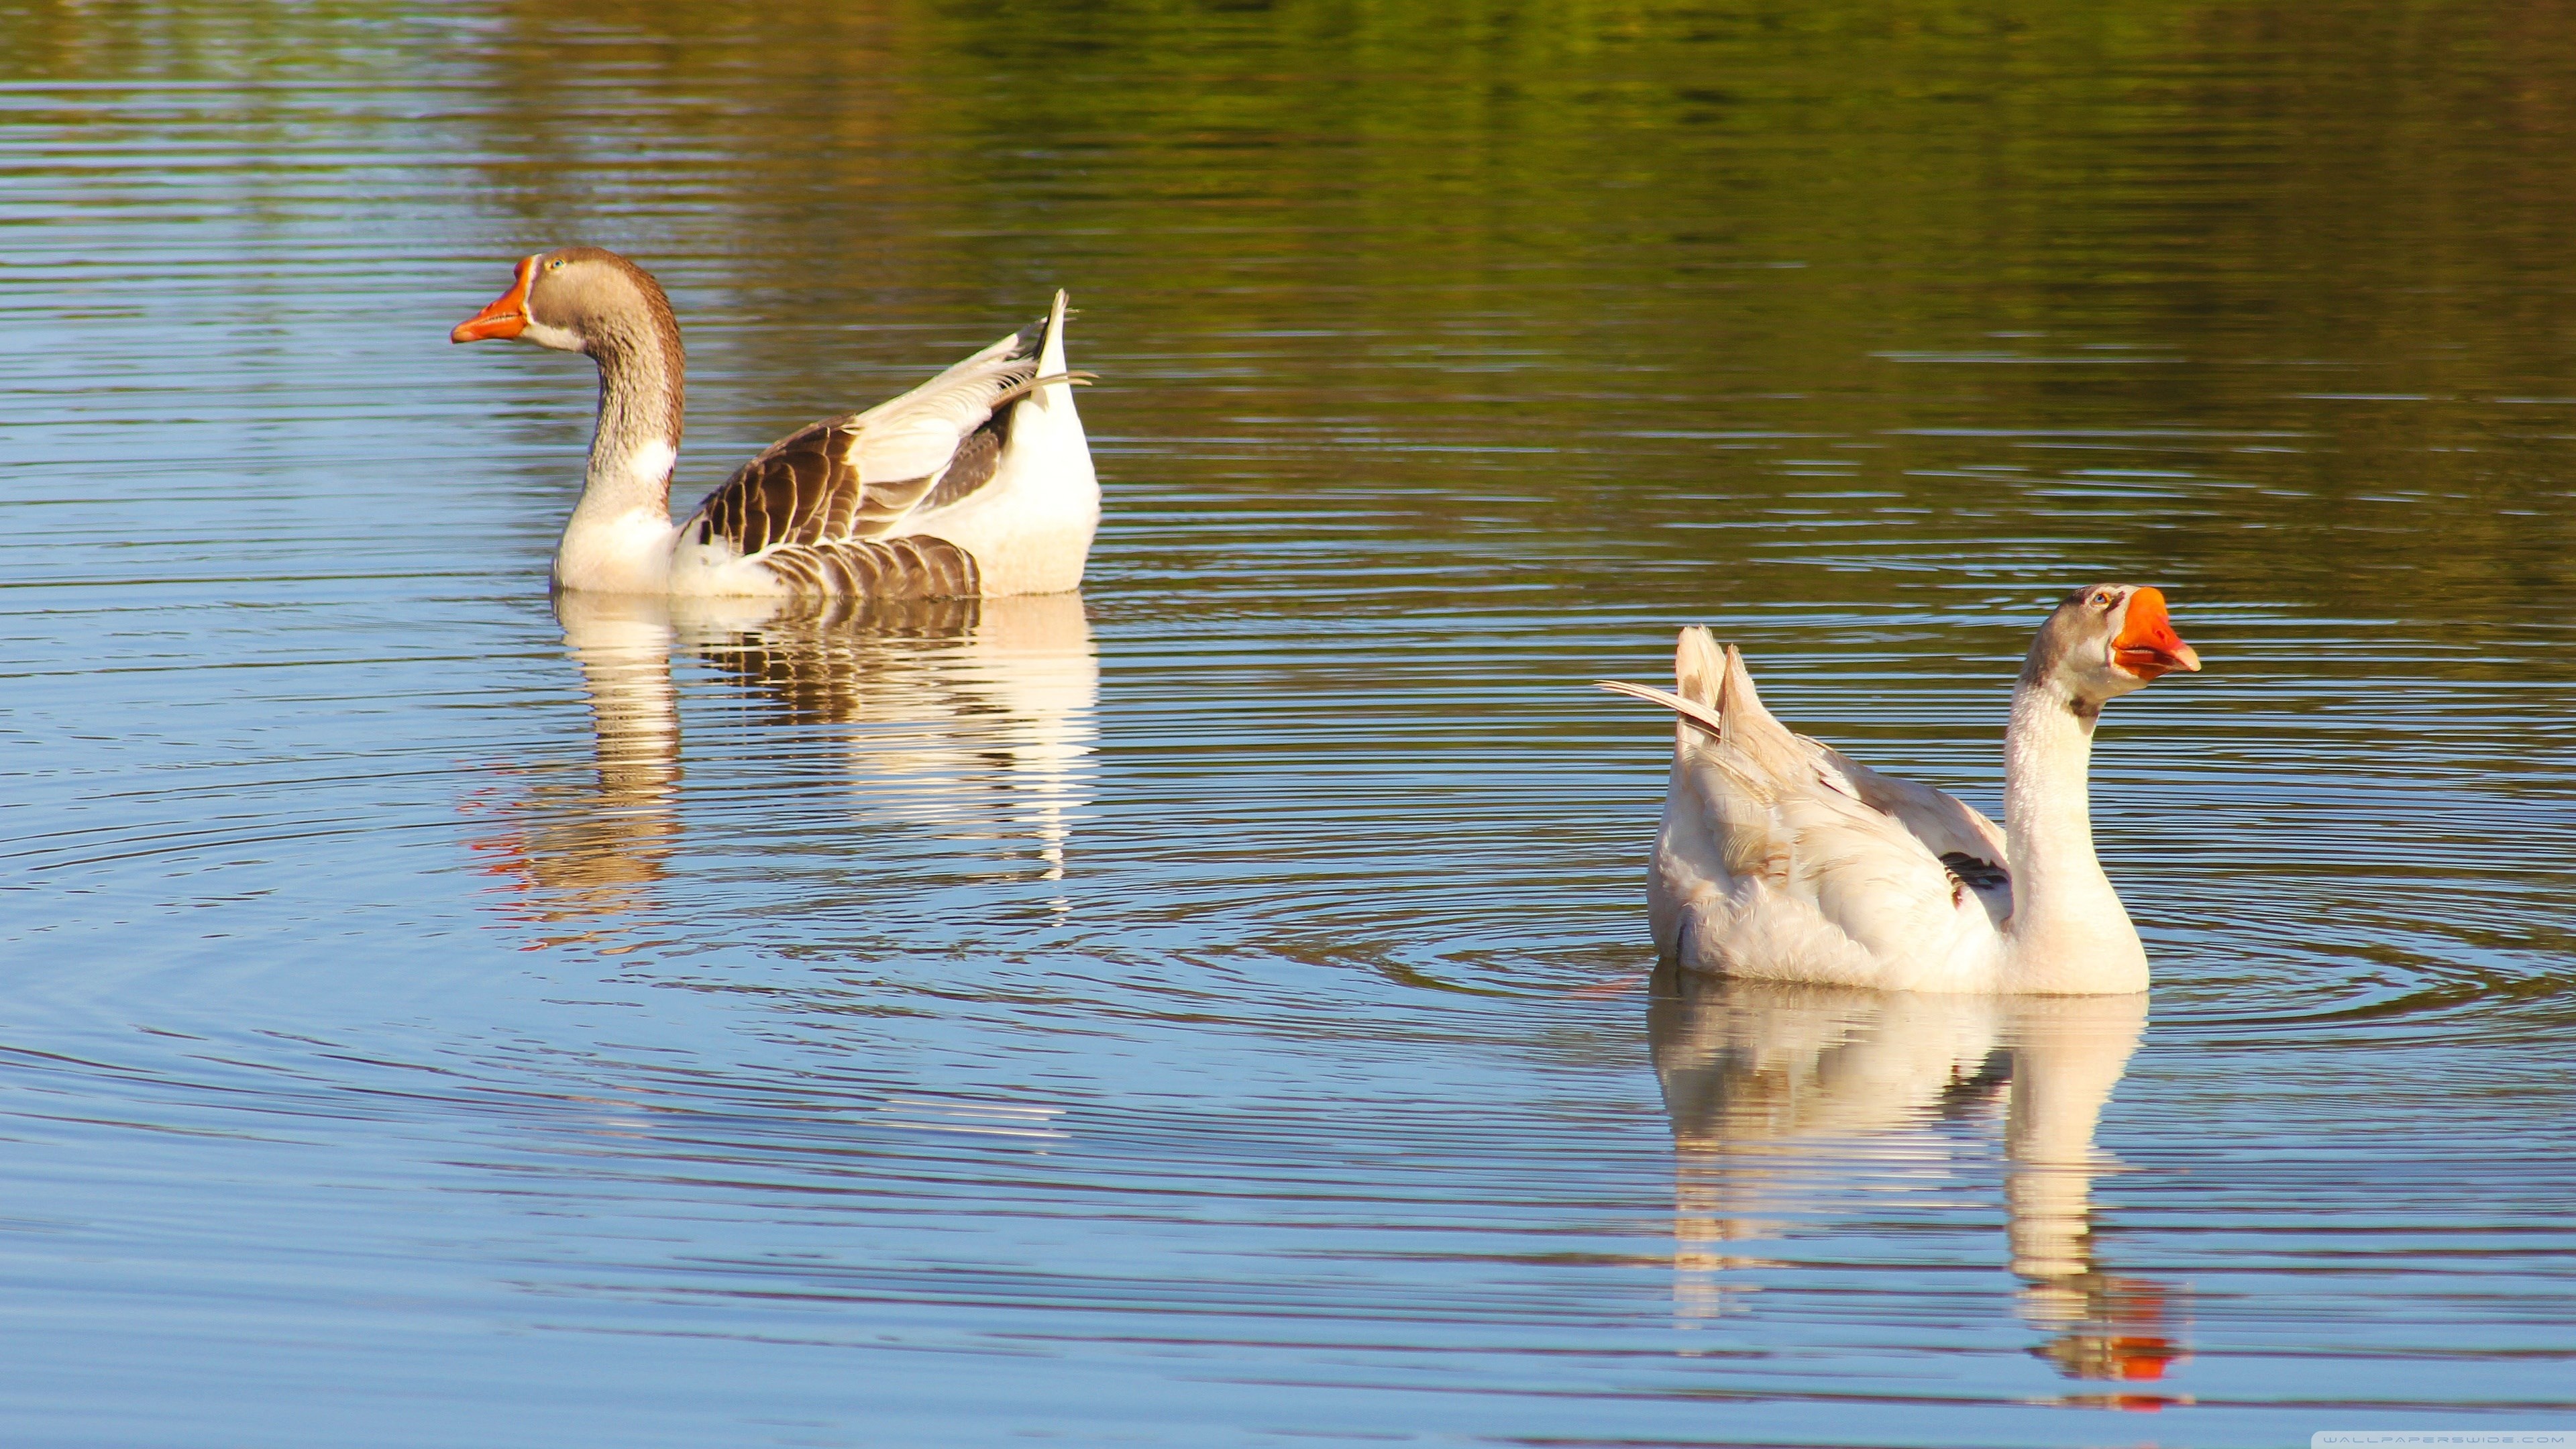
(1217, 1008)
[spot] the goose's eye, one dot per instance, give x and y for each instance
(555, 266)
(2101, 598)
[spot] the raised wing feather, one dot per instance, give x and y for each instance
(1852, 851)
(849, 480)
(1942, 821)
(918, 433)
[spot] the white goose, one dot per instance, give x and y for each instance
(1783, 859)
(977, 482)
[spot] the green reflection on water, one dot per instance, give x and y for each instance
(2264, 301)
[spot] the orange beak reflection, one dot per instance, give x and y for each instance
(2148, 647)
(508, 314)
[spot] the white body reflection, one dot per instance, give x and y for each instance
(971, 717)
(1789, 1102)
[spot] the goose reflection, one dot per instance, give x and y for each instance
(579, 848)
(1789, 1102)
(971, 717)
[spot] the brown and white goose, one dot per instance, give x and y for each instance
(1782, 859)
(977, 482)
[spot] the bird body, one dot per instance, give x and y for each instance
(976, 483)
(1783, 859)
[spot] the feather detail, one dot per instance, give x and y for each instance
(914, 567)
(805, 507)
(1781, 857)
(1705, 718)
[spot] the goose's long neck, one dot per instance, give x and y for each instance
(2068, 931)
(619, 539)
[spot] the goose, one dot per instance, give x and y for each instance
(976, 483)
(1782, 859)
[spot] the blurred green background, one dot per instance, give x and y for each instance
(2267, 299)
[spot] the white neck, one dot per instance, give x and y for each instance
(2068, 931)
(620, 535)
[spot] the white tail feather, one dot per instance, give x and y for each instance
(1697, 713)
(1051, 350)
(1700, 667)
(1069, 379)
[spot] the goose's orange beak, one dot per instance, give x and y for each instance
(508, 314)
(2148, 646)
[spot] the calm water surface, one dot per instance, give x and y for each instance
(1217, 1008)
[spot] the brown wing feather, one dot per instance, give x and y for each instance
(977, 460)
(917, 566)
(803, 490)
(980, 456)
(802, 509)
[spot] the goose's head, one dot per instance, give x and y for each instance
(2105, 640)
(577, 299)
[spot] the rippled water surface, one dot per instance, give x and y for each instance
(1217, 1008)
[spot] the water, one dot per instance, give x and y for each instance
(1217, 1009)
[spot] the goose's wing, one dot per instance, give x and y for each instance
(1866, 870)
(1836, 844)
(1964, 839)
(818, 505)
